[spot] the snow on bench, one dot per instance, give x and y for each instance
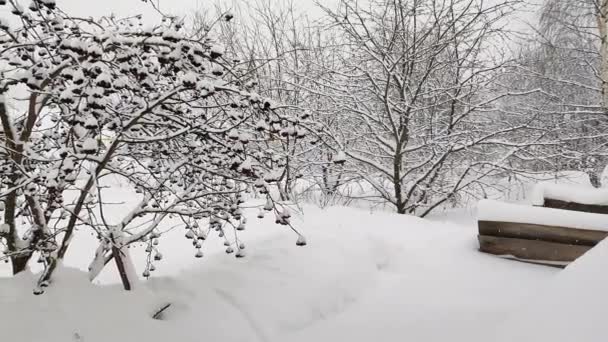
(571, 197)
(490, 210)
(543, 235)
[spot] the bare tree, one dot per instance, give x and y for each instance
(279, 44)
(415, 94)
(567, 59)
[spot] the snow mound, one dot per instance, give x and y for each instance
(363, 276)
(276, 289)
(490, 210)
(572, 308)
(73, 310)
(569, 193)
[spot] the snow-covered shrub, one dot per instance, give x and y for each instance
(166, 113)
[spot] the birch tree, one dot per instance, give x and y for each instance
(571, 67)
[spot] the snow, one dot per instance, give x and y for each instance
(340, 157)
(246, 165)
(273, 175)
(362, 276)
(261, 125)
(572, 308)
(217, 49)
(490, 210)
(71, 310)
(189, 79)
(104, 79)
(604, 177)
(91, 123)
(172, 35)
(95, 50)
(3, 24)
(217, 70)
(569, 193)
(89, 145)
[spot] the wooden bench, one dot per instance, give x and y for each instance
(587, 208)
(571, 197)
(548, 245)
(552, 245)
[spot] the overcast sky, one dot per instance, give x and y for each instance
(96, 8)
(177, 7)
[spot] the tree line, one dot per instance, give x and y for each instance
(415, 105)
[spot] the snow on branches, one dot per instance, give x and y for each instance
(160, 110)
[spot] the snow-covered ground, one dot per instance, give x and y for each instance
(364, 276)
(572, 308)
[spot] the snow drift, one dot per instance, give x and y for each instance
(363, 276)
(573, 307)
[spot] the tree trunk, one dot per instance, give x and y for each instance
(399, 201)
(401, 208)
(602, 25)
(19, 263)
(18, 260)
(124, 264)
(122, 268)
(283, 191)
(594, 179)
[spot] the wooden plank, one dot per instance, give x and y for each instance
(530, 249)
(573, 236)
(556, 264)
(588, 208)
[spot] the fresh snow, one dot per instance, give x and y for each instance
(569, 193)
(217, 49)
(89, 145)
(490, 210)
(340, 157)
(572, 307)
(362, 276)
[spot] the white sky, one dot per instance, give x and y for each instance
(96, 8)
(177, 7)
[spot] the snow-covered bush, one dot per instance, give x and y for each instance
(166, 113)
